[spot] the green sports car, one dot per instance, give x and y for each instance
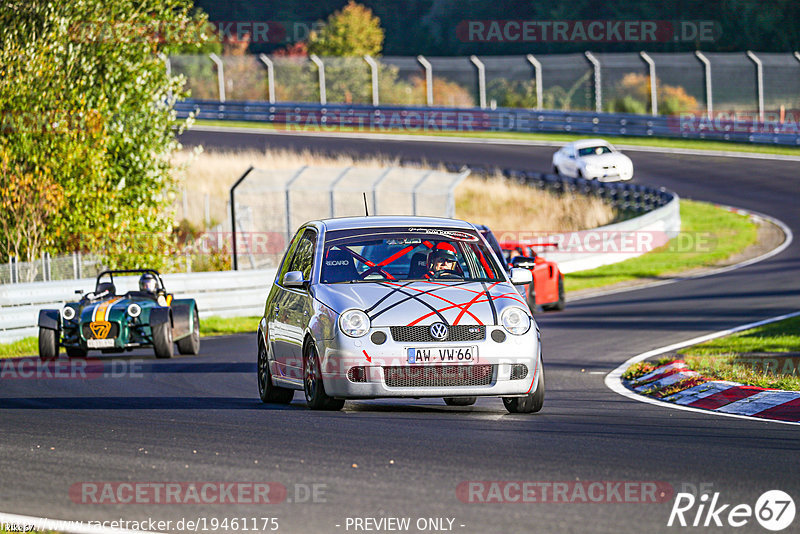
(102, 320)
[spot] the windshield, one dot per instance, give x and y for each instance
(378, 254)
(594, 150)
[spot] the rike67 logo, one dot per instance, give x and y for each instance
(774, 510)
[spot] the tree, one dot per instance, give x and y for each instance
(91, 108)
(352, 31)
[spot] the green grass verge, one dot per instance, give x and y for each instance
(659, 142)
(717, 233)
(218, 326)
(738, 357)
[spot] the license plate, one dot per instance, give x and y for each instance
(443, 354)
(100, 343)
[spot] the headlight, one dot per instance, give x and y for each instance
(354, 323)
(68, 313)
(134, 310)
(516, 321)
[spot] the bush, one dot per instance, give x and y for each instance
(626, 104)
(634, 91)
(95, 119)
(512, 94)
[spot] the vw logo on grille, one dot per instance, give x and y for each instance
(439, 331)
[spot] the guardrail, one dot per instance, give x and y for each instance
(300, 117)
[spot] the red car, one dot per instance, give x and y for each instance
(547, 289)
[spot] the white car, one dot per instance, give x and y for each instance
(408, 307)
(593, 159)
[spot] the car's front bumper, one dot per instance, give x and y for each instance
(609, 175)
(448, 379)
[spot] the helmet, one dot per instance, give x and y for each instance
(441, 254)
(148, 283)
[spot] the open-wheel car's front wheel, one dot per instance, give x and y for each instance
(191, 343)
(316, 398)
(48, 344)
(162, 340)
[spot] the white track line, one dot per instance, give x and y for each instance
(485, 141)
(60, 525)
(614, 379)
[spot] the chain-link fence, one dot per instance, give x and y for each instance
(46, 268)
(620, 82)
(269, 205)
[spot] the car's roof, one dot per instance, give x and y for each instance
(583, 143)
(377, 221)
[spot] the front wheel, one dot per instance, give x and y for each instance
(268, 392)
(162, 340)
(531, 403)
(460, 401)
(316, 398)
(48, 344)
(191, 343)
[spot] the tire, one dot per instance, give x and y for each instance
(268, 392)
(580, 174)
(162, 340)
(191, 343)
(460, 401)
(48, 344)
(313, 386)
(76, 352)
(556, 171)
(531, 403)
(561, 303)
(532, 297)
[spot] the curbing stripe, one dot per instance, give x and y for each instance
(761, 401)
(700, 391)
(729, 396)
(788, 411)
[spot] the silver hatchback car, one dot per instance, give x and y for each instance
(371, 307)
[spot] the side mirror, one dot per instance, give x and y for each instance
(294, 279)
(79, 291)
(520, 277)
(523, 262)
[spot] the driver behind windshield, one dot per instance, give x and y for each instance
(442, 263)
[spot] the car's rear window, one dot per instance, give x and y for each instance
(381, 254)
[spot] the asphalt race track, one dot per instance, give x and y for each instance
(200, 419)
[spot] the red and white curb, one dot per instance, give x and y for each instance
(719, 396)
(728, 399)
